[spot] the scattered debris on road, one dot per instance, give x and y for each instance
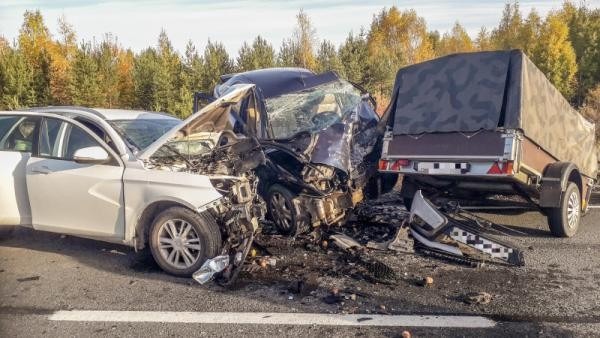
(481, 298)
(28, 279)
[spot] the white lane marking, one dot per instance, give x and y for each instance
(594, 206)
(273, 318)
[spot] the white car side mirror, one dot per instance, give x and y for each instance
(91, 155)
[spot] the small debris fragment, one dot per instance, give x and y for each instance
(253, 253)
(345, 242)
(426, 282)
(290, 297)
(263, 263)
(353, 297)
(324, 244)
(332, 299)
(478, 298)
(63, 236)
(406, 334)
(304, 286)
(28, 279)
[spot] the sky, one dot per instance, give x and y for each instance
(137, 23)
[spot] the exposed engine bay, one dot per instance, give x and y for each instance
(230, 161)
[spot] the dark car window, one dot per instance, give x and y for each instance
(7, 123)
(19, 133)
(76, 139)
(54, 145)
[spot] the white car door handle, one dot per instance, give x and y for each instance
(41, 170)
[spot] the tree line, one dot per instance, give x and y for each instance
(39, 68)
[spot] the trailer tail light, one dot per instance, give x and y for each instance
(502, 168)
(397, 164)
(393, 165)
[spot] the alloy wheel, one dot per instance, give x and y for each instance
(178, 243)
(573, 209)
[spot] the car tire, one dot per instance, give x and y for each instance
(181, 240)
(565, 219)
(281, 209)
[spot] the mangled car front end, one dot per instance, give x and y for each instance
(207, 145)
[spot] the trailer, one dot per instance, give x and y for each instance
(477, 125)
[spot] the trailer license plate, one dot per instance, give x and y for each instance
(443, 168)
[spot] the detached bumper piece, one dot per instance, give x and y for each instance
(456, 235)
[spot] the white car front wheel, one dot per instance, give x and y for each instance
(181, 240)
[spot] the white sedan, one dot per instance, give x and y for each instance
(137, 178)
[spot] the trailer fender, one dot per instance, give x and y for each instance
(555, 180)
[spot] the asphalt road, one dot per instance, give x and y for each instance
(556, 294)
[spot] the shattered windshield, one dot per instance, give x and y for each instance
(142, 132)
(311, 110)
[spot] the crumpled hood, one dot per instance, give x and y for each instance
(212, 118)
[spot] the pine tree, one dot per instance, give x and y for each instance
(193, 64)
(286, 56)
(105, 56)
(258, 55)
(483, 41)
(35, 44)
(216, 63)
(354, 56)
(584, 34)
(16, 80)
(85, 88)
(328, 59)
(506, 35)
(145, 68)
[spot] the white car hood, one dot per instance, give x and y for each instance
(212, 116)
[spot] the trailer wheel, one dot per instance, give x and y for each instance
(564, 220)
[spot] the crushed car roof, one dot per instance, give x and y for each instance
(275, 81)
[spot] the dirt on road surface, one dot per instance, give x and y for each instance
(555, 293)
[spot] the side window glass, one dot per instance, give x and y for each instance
(7, 123)
(50, 137)
(76, 139)
(18, 133)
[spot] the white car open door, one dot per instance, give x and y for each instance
(16, 139)
(74, 182)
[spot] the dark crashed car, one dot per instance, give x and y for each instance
(321, 140)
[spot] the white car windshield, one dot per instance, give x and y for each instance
(311, 110)
(142, 132)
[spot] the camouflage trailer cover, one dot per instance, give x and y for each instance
(491, 91)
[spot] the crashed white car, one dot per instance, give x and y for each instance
(184, 189)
